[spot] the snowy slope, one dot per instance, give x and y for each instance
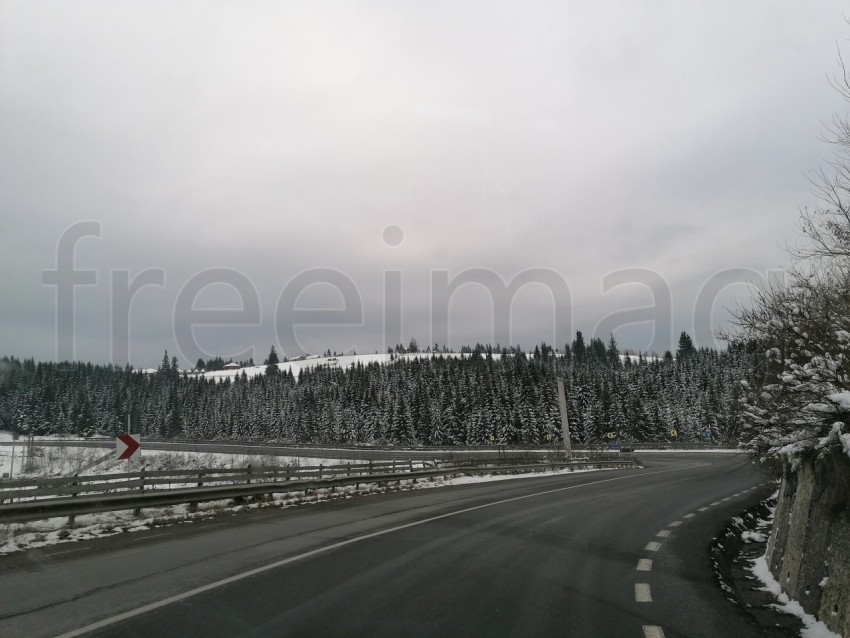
(341, 361)
(346, 361)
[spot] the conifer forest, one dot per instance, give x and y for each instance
(486, 396)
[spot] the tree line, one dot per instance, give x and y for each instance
(485, 396)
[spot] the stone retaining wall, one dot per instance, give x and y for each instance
(809, 547)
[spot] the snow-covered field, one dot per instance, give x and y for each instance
(65, 461)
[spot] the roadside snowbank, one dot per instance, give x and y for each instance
(813, 628)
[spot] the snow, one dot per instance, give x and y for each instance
(346, 361)
(813, 628)
(639, 451)
(466, 480)
(340, 361)
(65, 461)
(835, 436)
(841, 399)
(753, 537)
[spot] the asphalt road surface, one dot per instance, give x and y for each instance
(608, 553)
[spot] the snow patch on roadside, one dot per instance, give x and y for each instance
(753, 537)
(692, 451)
(813, 628)
(466, 480)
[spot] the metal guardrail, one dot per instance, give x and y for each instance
(136, 490)
(62, 486)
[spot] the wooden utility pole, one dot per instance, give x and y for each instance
(565, 423)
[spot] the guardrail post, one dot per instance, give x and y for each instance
(320, 470)
(193, 505)
(138, 510)
(287, 473)
(72, 517)
(370, 467)
(248, 472)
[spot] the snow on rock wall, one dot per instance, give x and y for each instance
(809, 547)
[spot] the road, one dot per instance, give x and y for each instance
(545, 556)
(326, 452)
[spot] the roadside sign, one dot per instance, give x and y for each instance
(134, 421)
(674, 433)
(126, 445)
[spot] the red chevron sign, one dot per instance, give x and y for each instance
(126, 445)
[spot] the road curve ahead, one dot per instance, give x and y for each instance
(610, 553)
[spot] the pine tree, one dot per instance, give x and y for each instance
(686, 346)
(613, 352)
(272, 361)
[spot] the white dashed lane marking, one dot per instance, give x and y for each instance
(702, 509)
(716, 503)
(642, 593)
(653, 546)
(674, 524)
(644, 565)
(689, 515)
(653, 631)
(664, 533)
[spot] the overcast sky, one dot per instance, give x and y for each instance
(274, 138)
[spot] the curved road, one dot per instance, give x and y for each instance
(613, 553)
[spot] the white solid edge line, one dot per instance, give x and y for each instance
(144, 538)
(321, 550)
(643, 593)
(68, 551)
(653, 631)
(644, 565)
(664, 533)
(652, 546)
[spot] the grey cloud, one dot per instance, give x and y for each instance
(276, 137)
